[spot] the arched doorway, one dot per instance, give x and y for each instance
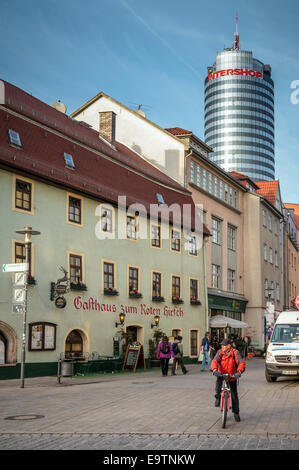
(74, 343)
(3, 349)
(8, 344)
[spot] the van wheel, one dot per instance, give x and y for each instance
(270, 378)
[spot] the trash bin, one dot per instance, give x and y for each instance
(67, 368)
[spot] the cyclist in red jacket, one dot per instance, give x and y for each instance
(228, 361)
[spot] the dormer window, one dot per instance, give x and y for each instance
(69, 162)
(160, 198)
(14, 138)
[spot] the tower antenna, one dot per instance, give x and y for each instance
(237, 43)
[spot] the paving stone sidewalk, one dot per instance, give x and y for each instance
(147, 411)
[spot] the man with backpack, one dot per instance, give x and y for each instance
(164, 353)
(178, 352)
(228, 361)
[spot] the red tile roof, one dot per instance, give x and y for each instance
(20, 101)
(296, 212)
(178, 131)
(103, 174)
(242, 178)
(268, 189)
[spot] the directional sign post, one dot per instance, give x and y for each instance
(14, 268)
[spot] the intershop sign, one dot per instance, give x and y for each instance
(225, 72)
(93, 305)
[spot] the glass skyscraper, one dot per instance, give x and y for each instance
(239, 113)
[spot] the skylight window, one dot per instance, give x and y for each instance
(160, 198)
(69, 162)
(14, 138)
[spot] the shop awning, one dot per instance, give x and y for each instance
(219, 321)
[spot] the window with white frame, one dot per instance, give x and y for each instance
(272, 290)
(277, 292)
(231, 280)
(204, 179)
(231, 237)
(271, 255)
(69, 162)
(198, 175)
(216, 231)
(221, 189)
(14, 138)
(264, 218)
(216, 276)
(266, 288)
(210, 183)
(215, 186)
(265, 252)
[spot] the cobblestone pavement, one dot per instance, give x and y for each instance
(148, 412)
(153, 442)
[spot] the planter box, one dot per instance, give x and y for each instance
(158, 299)
(110, 292)
(177, 301)
(31, 281)
(77, 287)
(195, 302)
(135, 296)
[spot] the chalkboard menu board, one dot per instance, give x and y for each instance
(134, 357)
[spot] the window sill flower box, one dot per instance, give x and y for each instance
(177, 300)
(134, 294)
(195, 302)
(31, 280)
(78, 286)
(158, 299)
(110, 291)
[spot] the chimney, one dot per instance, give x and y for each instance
(107, 125)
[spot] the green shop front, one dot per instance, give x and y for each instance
(229, 305)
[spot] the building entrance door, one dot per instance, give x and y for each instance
(2, 349)
(132, 333)
(74, 343)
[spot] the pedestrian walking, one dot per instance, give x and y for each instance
(164, 353)
(206, 350)
(178, 352)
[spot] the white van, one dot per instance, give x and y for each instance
(282, 358)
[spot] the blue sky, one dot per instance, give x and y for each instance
(154, 53)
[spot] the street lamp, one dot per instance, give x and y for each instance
(156, 320)
(28, 232)
(122, 317)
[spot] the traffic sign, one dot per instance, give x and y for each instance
(19, 294)
(18, 308)
(19, 279)
(296, 302)
(18, 267)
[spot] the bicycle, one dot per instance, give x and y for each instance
(225, 396)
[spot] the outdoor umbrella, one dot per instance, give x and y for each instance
(219, 321)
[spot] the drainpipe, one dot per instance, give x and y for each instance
(186, 169)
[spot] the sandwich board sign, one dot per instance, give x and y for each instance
(134, 357)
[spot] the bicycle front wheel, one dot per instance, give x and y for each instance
(224, 410)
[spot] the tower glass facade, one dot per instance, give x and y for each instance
(239, 114)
